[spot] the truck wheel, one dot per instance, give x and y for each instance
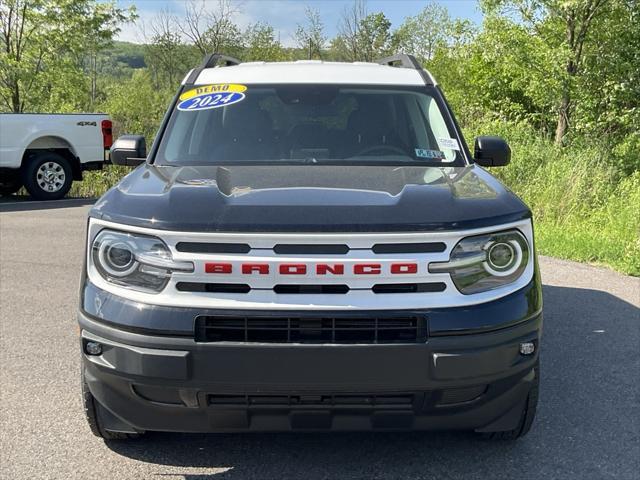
(48, 176)
(91, 413)
(10, 183)
(528, 414)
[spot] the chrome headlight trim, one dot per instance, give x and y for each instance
(472, 269)
(146, 265)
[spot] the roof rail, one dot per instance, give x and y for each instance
(213, 59)
(402, 60)
(405, 61)
(209, 61)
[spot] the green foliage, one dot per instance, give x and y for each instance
(565, 40)
(96, 183)
(310, 36)
(374, 36)
(609, 89)
(625, 154)
(168, 57)
(362, 36)
(136, 106)
(45, 45)
(425, 33)
(260, 43)
(119, 60)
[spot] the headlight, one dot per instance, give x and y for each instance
(485, 262)
(136, 261)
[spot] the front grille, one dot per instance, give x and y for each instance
(311, 289)
(205, 247)
(293, 289)
(409, 287)
(295, 249)
(213, 287)
(430, 247)
(310, 249)
(321, 400)
(311, 330)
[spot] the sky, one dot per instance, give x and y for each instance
(284, 15)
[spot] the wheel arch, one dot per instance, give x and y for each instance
(59, 145)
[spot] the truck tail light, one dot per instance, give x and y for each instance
(107, 134)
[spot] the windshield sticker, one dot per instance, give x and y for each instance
(435, 154)
(450, 143)
(211, 96)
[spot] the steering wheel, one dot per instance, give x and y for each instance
(381, 148)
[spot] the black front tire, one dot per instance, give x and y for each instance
(60, 171)
(528, 414)
(91, 413)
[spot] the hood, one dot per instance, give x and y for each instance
(309, 198)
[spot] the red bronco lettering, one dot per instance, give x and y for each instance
(319, 268)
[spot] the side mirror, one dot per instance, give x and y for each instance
(491, 152)
(129, 150)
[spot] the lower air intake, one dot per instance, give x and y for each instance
(337, 330)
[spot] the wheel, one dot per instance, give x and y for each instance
(47, 176)
(528, 414)
(93, 419)
(10, 183)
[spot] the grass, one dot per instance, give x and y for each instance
(95, 183)
(584, 208)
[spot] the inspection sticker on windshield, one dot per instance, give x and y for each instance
(207, 97)
(423, 153)
(450, 143)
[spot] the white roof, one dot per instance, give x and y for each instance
(310, 71)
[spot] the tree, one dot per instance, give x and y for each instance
(165, 52)
(347, 43)
(260, 44)
(310, 37)
(44, 44)
(506, 72)
(374, 36)
(425, 32)
(211, 30)
(362, 36)
(609, 89)
(565, 25)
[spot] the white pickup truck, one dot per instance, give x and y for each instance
(45, 153)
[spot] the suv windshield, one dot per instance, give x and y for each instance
(230, 124)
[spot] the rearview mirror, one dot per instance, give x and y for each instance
(129, 150)
(491, 152)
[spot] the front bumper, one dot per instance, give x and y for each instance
(477, 381)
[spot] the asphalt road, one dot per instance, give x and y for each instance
(587, 425)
